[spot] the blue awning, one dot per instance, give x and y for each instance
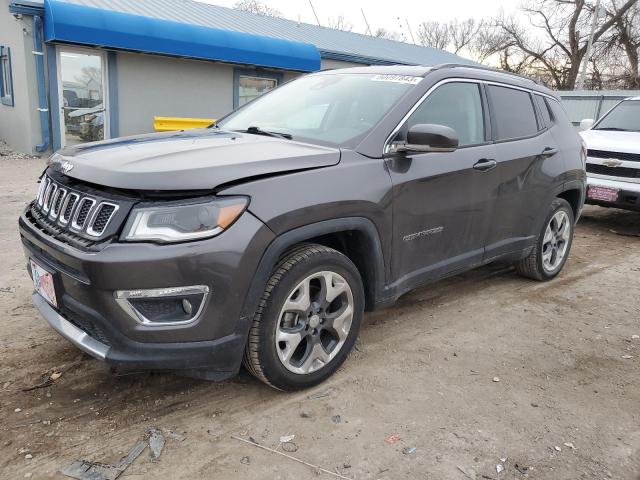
(78, 24)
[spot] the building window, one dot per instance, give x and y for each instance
(6, 80)
(250, 84)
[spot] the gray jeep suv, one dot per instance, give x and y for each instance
(262, 239)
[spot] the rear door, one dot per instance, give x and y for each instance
(524, 148)
(441, 203)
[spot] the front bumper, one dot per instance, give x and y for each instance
(89, 316)
(628, 198)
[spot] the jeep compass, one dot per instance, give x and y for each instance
(262, 239)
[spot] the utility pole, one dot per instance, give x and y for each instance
(314, 13)
(413, 40)
(587, 57)
(365, 22)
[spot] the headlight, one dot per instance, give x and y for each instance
(179, 222)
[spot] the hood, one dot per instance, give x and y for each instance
(610, 141)
(199, 159)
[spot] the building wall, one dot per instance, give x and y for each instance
(20, 124)
(327, 64)
(150, 85)
(154, 85)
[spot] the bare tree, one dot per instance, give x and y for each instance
(340, 23)
(434, 34)
(462, 33)
(488, 41)
(562, 30)
(257, 7)
(627, 33)
(388, 34)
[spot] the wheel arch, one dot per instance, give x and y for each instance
(355, 237)
(573, 193)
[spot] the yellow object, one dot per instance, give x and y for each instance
(169, 124)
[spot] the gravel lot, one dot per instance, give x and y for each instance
(477, 368)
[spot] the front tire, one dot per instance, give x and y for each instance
(307, 320)
(552, 248)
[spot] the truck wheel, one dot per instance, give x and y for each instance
(553, 245)
(307, 320)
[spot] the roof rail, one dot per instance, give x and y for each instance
(488, 69)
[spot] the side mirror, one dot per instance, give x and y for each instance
(427, 137)
(587, 123)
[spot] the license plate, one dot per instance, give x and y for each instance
(43, 283)
(605, 194)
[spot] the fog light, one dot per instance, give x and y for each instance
(186, 306)
(163, 306)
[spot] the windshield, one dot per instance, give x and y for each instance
(333, 108)
(624, 117)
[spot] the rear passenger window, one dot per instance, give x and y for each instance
(513, 111)
(544, 110)
(456, 105)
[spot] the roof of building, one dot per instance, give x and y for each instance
(332, 43)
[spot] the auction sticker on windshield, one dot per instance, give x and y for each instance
(410, 79)
(43, 283)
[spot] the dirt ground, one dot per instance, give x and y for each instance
(477, 368)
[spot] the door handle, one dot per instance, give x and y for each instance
(485, 164)
(549, 151)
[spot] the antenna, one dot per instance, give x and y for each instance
(413, 40)
(366, 22)
(314, 13)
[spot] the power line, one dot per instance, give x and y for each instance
(314, 13)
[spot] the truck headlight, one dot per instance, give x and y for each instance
(180, 221)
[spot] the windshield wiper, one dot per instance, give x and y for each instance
(614, 129)
(258, 131)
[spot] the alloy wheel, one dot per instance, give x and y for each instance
(556, 241)
(314, 322)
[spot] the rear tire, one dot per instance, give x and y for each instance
(307, 320)
(550, 253)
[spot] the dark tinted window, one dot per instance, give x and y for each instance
(544, 110)
(455, 105)
(513, 112)
(557, 112)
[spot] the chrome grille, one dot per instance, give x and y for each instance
(80, 213)
(84, 207)
(69, 203)
(56, 203)
(101, 218)
(48, 197)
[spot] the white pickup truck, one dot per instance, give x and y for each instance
(613, 156)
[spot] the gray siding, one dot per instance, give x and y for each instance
(169, 87)
(20, 124)
(327, 64)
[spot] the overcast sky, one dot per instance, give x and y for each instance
(390, 15)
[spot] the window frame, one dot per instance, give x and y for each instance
(486, 115)
(541, 103)
(257, 73)
(492, 108)
(6, 98)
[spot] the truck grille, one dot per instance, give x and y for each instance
(80, 218)
(629, 157)
(622, 172)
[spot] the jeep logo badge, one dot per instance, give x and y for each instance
(66, 167)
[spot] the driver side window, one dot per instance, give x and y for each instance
(457, 105)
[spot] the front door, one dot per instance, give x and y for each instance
(82, 87)
(443, 201)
